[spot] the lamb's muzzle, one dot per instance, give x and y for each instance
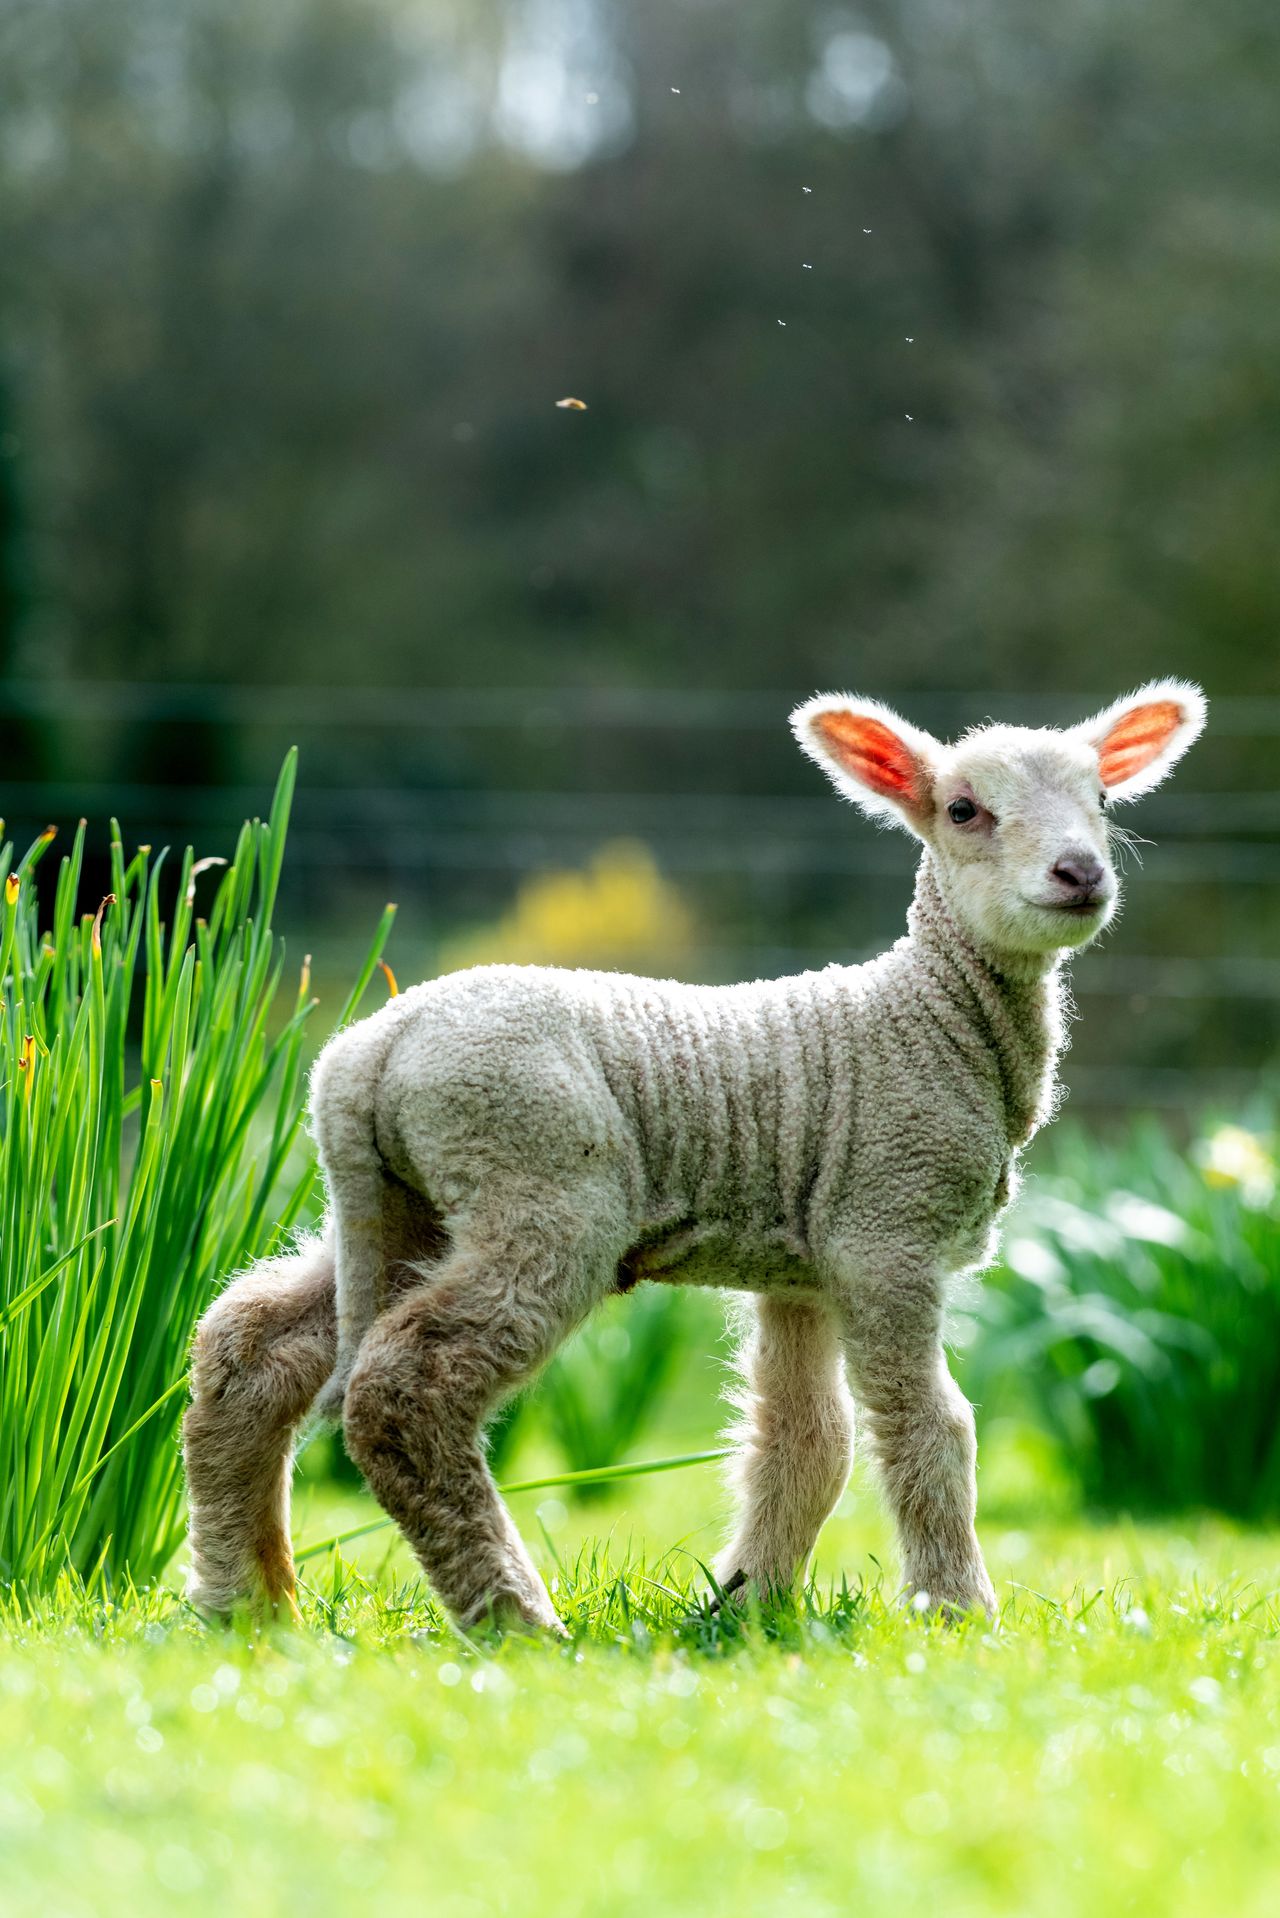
(504, 1147)
(1082, 881)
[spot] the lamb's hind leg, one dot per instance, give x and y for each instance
(797, 1433)
(261, 1351)
(436, 1364)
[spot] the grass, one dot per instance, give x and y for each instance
(1114, 1746)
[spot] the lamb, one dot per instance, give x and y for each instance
(505, 1146)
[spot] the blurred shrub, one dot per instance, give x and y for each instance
(620, 913)
(619, 1385)
(1136, 1318)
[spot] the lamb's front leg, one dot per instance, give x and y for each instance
(920, 1425)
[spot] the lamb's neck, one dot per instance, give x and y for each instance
(1018, 1019)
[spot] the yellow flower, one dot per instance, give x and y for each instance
(620, 913)
(1233, 1157)
(26, 1063)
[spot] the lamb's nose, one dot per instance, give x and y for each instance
(1079, 873)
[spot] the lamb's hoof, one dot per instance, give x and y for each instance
(329, 1400)
(736, 1585)
(956, 1605)
(515, 1614)
(283, 1607)
(219, 1606)
(730, 1591)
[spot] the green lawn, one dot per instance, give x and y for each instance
(1114, 1746)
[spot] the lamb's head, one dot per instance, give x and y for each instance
(1016, 818)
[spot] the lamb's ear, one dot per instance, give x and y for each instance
(871, 756)
(1140, 739)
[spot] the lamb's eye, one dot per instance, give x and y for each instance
(962, 811)
(1102, 802)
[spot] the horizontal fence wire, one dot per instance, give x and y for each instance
(423, 841)
(623, 706)
(418, 830)
(552, 810)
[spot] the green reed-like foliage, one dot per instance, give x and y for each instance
(598, 1394)
(151, 1094)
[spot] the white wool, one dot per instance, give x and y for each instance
(740, 1129)
(840, 1143)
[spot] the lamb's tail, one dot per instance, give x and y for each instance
(344, 1086)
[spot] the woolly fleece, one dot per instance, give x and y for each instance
(504, 1146)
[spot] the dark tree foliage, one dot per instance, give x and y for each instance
(288, 318)
(925, 348)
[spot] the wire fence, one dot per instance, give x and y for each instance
(446, 850)
(668, 708)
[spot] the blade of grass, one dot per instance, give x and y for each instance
(592, 1475)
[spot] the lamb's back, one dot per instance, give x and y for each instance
(695, 1095)
(820, 1101)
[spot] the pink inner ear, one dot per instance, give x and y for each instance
(874, 755)
(1138, 738)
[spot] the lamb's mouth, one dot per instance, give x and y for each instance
(1071, 908)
